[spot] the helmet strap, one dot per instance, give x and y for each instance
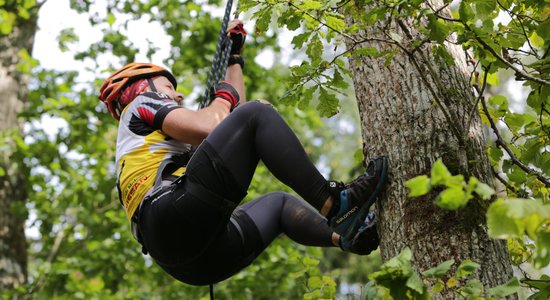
(151, 85)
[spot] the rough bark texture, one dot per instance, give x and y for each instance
(416, 110)
(13, 92)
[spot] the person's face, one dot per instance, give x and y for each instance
(164, 85)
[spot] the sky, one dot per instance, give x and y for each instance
(56, 15)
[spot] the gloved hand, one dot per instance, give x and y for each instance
(237, 34)
(227, 92)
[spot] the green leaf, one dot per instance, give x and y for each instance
(389, 57)
(438, 287)
(315, 49)
(299, 40)
(536, 40)
(465, 11)
(415, 283)
(440, 270)
(501, 225)
(26, 63)
(438, 29)
(503, 290)
(492, 79)
(110, 19)
(466, 268)
(328, 103)
(310, 5)
(452, 198)
(439, 173)
(335, 22)
(418, 186)
(367, 51)
(485, 7)
(473, 287)
(7, 20)
(314, 282)
(310, 262)
(484, 191)
(263, 20)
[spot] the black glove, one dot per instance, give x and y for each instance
(227, 92)
(238, 35)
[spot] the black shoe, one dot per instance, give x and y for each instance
(354, 199)
(366, 240)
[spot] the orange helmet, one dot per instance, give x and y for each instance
(112, 88)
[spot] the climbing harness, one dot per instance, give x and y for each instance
(221, 57)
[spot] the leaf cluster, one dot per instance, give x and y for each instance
(397, 279)
(523, 223)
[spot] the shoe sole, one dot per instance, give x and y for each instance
(366, 206)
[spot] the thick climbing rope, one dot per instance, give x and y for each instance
(221, 57)
(217, 70)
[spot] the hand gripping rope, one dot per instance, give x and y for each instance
(221, 57)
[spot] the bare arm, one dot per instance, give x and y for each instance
(234, 75)
(194, 126)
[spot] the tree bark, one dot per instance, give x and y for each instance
(13, 94)
(416, 110)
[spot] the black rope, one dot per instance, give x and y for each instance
(221, 57)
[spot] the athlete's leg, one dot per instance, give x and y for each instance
(256, 131)
(253, 226)
(279, 212)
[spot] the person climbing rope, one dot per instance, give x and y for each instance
(185, 206)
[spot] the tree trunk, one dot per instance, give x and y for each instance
(416, 110)
(13, 92)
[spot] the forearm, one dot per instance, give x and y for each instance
(234, 75)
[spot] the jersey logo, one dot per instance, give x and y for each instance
(157, 96)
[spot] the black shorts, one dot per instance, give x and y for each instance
(197, 238)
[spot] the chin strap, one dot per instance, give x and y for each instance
(211, 292)
(151, 84)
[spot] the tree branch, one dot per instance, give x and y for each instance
(519, 73)
(502, 144)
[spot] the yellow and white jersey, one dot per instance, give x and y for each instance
(144, 151)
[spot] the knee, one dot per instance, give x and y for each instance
(258, 108)
(282, 197)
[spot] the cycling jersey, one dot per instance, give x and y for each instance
(146, 155)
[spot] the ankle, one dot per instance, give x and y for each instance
(327, 206)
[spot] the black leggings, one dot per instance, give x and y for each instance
(200, 239)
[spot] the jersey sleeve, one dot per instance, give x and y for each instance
(152, 108)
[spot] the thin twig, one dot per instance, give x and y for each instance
(504, 182)
(480, 94)
(321, 22)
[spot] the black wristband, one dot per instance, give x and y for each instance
(236, 59)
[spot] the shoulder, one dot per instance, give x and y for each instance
(151, 107)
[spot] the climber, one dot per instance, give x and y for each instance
(182, 174)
